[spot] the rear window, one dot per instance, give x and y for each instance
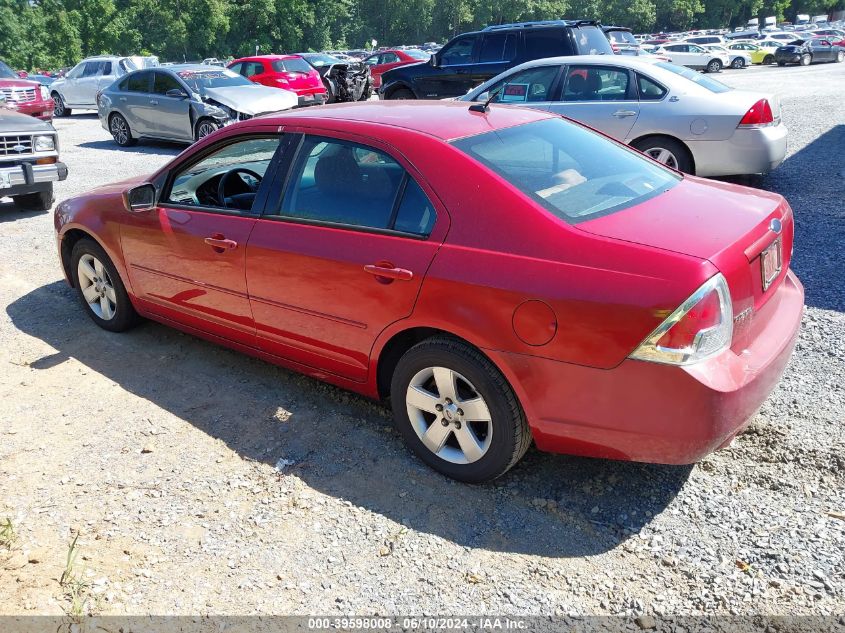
(574, 173)
(591, 40)
(297, 65)
(622, 37)
(702, 80)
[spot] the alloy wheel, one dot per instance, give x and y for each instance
(840, 57)
(58, 106)
(97, 287)
(205, 129)
(663, 155)
(119, 130)
(449, 415)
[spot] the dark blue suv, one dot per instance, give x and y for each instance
(473, 58)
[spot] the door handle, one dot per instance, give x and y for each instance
(123, 98)
(153, 102)
(385, 272)
(220, 244)
(462, 72)
(624, 113)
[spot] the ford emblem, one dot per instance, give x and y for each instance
(19, 148)
(775, 225)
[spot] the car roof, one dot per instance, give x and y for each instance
(267, 57)
(178, 67)
(446, 120)
(628, 61)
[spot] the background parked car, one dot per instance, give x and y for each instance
(344, 81)
(810, 51)
(677, 116)
(383, 61)
(289, 72)
(695, 56)
(472, 58)
(183, 103)
(757, 53)
(622, 40)
(738, 59)
(80, 86)
(25, 95)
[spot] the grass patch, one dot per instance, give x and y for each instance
(77, 589)
(8, 536)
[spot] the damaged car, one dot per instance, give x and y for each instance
(344, 81)
(183, 103)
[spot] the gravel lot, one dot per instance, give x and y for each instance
(201, 481)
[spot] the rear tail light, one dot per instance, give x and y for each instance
(700, 328)
(759, 115)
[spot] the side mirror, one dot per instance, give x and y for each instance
(434, 61)
(176, 93)
(139, 199)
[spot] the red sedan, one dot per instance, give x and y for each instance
(499, 275)
(290, 72)
(383, 61)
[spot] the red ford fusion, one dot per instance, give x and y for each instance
(500, 275)
(289, 72)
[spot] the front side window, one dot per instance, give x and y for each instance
(595, 83)
(228, 178)
(574, 173)
(526, 86)
(389, 58)
(346, 183)
(92, 69)
(163, 82)
(236, 68)
(459, 51)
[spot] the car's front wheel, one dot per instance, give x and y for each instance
(204, 128)
(59, 107)
(99, 287)
(806, 60)
(402, 93)
(40, 201)
(714, 66)
(769, 59)
(119, 128)
(840, 57)
(457, 412)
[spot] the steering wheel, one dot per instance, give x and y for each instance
(224, 181)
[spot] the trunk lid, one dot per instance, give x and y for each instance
(729, 225)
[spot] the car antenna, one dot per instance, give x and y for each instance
(483, 107)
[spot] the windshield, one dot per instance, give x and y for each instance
(295, 65)
(702, 80)
(6, 72)
(201, 80)
(574, 173)
(319, 60)
(412, 52)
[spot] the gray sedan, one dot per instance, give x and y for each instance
(677, 116)
(183, 103)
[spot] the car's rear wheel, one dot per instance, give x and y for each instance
(205, 127)
(739, 62)
(840, 57)
(806, 59)
(119, 128)
(99, 287)
(59, 107)
(40, 201)
(402, 93)
(667, 151)
(368, 92)
(457, 412)
(714, 66)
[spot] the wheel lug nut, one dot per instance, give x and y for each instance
(457, 424)
(444, 422)
(438, 407)
(460, 411)
(448, 401)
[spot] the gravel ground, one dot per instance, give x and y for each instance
(203, 481)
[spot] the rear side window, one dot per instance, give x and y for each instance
(297, 65)
(139, 82)
(649, 90)
(415, 213)
(590, 40)
(498, 47)
(548, 43)
(572, 172)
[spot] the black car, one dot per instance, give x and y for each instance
(344, 81)
(622, 40)
(473, 58)
(809, 51)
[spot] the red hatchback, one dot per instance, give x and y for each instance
(383, 61)
(24, 95)
(499, 275)
(290, 72)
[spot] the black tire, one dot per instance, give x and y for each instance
(510, 437)
(769, 59)
(59, 107)
(781, 63)
(806, 59)
(120, 132)
(713, 66)
(331, 97)
(125, 316)
(204, 127)
(368, 92)
(40, 201)
(401, 93)
(738, 63)
(683, 158)
(840, 57)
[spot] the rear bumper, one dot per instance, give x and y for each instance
(648, 412)
(28, 178)
(748, 151)
(309, 98)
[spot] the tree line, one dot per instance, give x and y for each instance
(55, 33)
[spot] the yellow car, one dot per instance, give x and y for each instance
(761, 53)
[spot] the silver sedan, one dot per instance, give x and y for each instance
(183, 102)
(677, 116)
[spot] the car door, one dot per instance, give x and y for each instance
(186, 257)
(699, 56)
(341, 253)
(453, 75)
(135, 102)
(496, 55)
(83, 89)
(603, 97)
(169, 115)
(822, 50)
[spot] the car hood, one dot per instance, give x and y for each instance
(19, 83)
(696, 217)
(11, 121)
(253, 99)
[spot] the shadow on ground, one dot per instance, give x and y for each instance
(344, 445)
(144, 146)
(9, 211)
